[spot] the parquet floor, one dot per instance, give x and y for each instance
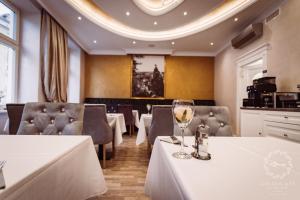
(125, 174)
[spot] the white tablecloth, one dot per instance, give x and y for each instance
(50, 167)
(240, 168)
(144, 125)
(120, 127)
(135, 114)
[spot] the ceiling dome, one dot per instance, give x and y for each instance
(157, 7)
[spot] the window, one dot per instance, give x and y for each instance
(8, 51)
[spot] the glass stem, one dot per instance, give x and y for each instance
(182, 143)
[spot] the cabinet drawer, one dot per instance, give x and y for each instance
(283, 117)
(288, 131)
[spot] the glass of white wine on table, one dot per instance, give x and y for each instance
(183, 112)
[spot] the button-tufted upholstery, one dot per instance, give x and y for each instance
(51, 119)
(216, 117)
(162, 122)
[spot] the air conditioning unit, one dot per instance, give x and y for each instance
(248, 35)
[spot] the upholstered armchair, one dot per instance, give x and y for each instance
(96, 125)
(51, 119)
(162, 122)
(127, 112)
(217, 118)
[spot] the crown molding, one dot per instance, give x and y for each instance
(193, 53)
(107, 52)
(149, 51)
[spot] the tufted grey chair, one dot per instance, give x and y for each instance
(51, 119)
(162, 122)
(96, 125)
(216, 117)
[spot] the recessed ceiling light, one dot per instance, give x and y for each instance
(133, 42)
(211, 44)
(95, 41)
(236, 19)
(79, 18)
(185, 13)
(173, 43)
(155, 22)
(127, 13)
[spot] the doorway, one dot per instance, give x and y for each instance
(250, 66)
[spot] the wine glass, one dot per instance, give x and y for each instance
(183, 112)
(148, 108)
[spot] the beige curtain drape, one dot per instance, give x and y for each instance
(54, 59)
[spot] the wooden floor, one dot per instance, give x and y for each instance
(125, 174)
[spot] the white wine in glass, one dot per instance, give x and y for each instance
(183, 112)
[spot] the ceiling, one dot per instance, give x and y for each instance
(85, 32)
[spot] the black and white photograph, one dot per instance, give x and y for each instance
(148, 76)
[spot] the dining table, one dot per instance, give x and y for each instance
(245, 168)
(50, 167)
(120, 125)
(143, 128)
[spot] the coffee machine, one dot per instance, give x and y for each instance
(261, 93)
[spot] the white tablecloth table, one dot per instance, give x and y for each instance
(144, 125)
(50, 167)
(135, 114)
(120, 127)
(240, 168)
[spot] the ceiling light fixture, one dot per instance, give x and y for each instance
(236, 19)
(185, 13)
(95, 41)
(79, 18)
(211, 44)
(173, 43)
(127, 13)
(155, 22)
(225, 11)
(133, 42)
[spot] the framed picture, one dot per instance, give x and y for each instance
(148, 76)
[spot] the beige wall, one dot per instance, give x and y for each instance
(283, 35)
(185, 77)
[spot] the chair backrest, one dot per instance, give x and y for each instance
(127, 112)
(217, 118)
(14, 112)
(3, 120)
(51, 119)
(96, 125)
(162, 122)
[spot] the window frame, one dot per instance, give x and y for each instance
(14, 44)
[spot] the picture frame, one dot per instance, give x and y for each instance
(148, 73)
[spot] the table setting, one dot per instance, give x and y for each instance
(193, 167)
(49, 167)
